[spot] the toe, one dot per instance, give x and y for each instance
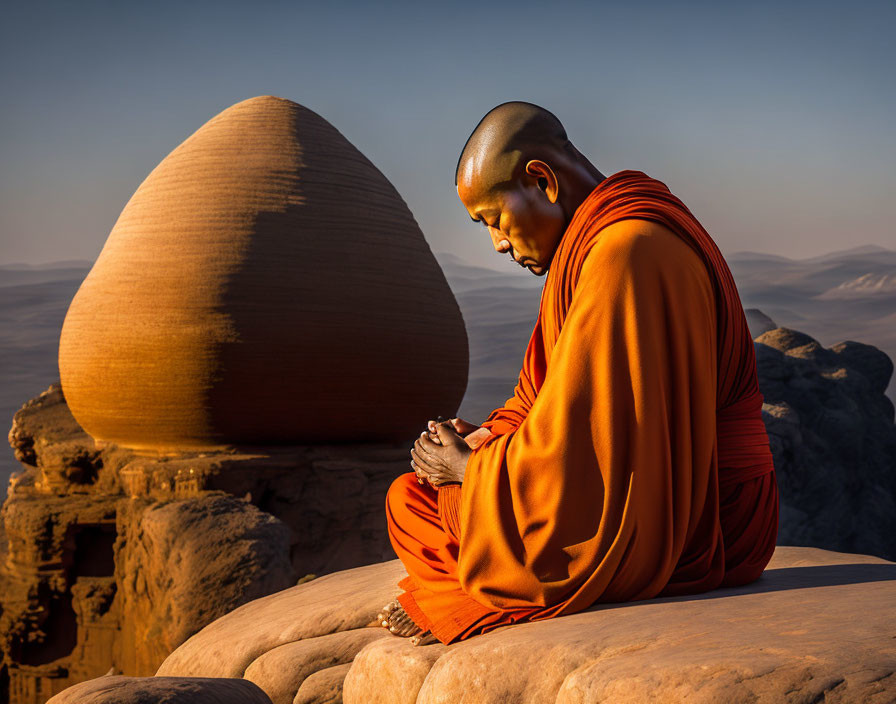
(404, 625)
(424, 638)
(386, 612)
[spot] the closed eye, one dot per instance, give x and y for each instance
(486, 223)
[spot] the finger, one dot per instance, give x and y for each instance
(420, 464)
(477, 437)
(427, 445)
(462, 426)
(431, 459)
(447, 433)
(417, 472)
(437, 478)
(425, 465)
(433, 433)
(427, 448)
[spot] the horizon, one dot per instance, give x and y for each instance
(857, 249)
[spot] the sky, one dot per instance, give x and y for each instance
(773, 121)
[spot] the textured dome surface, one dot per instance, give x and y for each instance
(266, 284)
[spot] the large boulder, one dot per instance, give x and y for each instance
(832, 435)
(266, 284)
(185, 562)
(816, 625)
(155, 690)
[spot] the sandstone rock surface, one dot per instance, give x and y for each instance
(266, 284)
(817, 625)
(112, 559)
(341, 601)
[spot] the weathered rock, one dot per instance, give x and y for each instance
(189, 562)
(340, 601)
(323, 686)
(154, 690)
(802, 629)
(265, 284)
(281, 671)
(816, 625)
(396, 670)
(833, 439)
(115, 558)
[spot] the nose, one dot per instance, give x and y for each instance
(502, 244)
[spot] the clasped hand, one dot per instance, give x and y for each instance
(440, 454)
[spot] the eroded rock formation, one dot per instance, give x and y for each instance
(832, 435)
(115, 558)
(266, 284)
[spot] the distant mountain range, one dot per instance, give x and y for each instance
(849, 294)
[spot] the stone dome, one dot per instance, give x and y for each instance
(266, 284)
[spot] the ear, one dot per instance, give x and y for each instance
(545, 177)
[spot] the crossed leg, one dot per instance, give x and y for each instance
(428, 552)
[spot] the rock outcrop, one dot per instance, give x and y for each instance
(834, 441)
(816, 625)
(266, 284)
(115, 558)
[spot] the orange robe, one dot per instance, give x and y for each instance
(631, 462)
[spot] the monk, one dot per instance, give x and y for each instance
(632, 461)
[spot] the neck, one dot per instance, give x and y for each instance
(580, 180)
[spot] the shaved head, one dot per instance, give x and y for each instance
(505, 139)
(521, 177)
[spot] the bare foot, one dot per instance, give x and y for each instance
(424, 638)
(396, 619)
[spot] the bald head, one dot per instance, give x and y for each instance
(521, 177)
(505, 139)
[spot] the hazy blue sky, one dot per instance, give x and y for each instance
(773, 121)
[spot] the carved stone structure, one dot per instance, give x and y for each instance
(266, 284)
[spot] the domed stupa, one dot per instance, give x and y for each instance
(266, 284)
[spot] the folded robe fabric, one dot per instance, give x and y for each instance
(632, 460)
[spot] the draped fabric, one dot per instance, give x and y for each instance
(631, 461)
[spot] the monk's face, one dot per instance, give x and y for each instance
(521, 220)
